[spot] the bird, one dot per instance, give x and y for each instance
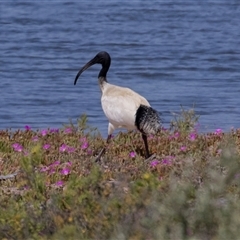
(123, 107)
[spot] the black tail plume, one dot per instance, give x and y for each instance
(147, 120)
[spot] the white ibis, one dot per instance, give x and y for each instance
(123, 107)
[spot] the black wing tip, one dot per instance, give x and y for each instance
(147, 120)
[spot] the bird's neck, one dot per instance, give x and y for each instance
(102, 82)
(103, 71)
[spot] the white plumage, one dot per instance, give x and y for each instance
(123, 107)
(120, 105)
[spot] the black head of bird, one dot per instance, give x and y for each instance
(101, 58)
(123, 107)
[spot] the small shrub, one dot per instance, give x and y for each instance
(51, 187)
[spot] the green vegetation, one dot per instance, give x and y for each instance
(51, 187)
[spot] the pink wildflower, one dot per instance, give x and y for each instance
(59, 183)
(192, 136)
(70, 149)
(84, 145)
(174, 136)
(44, 169)
(46, 146)
(65, 171)
(183, 148)
(52, 171)
(68, 130)
(26, 187)
(154, 163)
(166, 162)
(66, 148)
(218, 131)
(54, 130)
(132, 154)
(55, 164)
(17, 147)
(27, 128)
(25, 152)
(44, 132)
(35, 139)
(63, 148)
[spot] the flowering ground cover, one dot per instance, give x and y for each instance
(52, 188)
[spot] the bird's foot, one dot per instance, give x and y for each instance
(98, 158)
(150, 157)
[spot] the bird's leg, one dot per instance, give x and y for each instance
(144, 137)
(149, 157)
(103, 150)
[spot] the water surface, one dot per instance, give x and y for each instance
(172, 52)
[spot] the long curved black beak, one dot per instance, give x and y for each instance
(85, 67)
(101, 58)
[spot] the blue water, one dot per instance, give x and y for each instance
(172, 52)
